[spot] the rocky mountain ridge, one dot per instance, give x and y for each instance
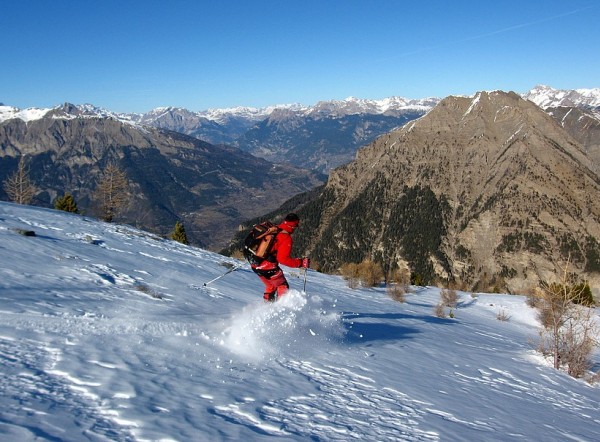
(583, 125)
(483, 190)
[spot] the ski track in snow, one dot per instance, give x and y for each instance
(29, 373)
(504, 383)
(340, 409)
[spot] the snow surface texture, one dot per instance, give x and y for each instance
(108, 333)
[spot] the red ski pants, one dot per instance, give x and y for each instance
(275, 284)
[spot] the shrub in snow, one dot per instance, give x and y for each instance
(397, 292)
(502, 315)
(448, 298)
(439, 311)
(367, 274)
(569, 333)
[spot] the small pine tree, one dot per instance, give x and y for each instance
(66, 203)
(584, 294)
(179, 234)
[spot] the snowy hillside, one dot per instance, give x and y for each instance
(107, 333)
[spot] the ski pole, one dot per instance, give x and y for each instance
(305, 272)
(233, 269)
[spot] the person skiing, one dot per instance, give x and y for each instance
(269, 271)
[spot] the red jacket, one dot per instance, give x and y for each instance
(283, 247)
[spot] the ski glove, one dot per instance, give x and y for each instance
(305, 262)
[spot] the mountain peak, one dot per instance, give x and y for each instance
(546, 96)
(510, 185)
(354, 105)
(33, 113)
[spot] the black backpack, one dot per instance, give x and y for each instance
(259, 242)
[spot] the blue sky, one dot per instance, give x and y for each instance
(133, 56)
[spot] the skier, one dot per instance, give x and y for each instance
(269, 271)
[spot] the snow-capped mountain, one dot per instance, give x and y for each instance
(64, 111)
(220, 116)
(577, 111)
(218, 126)
(386, 106)
(546, 97)
(224, 116)
(349, 106)
(33, 113)
(321, 137)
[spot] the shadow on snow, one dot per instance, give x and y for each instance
(364, 327)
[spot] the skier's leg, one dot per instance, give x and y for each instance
(269, 296)
(270, 289)
(282, 289)
(280, 283)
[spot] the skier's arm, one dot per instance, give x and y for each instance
(284, 248)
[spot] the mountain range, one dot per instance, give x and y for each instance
(212, 187)
(500, 202)
(319, 137)
(489, 190)
(328, 134)
(172, 176)
(548, 97)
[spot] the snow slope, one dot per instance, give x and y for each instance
(107, 333)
